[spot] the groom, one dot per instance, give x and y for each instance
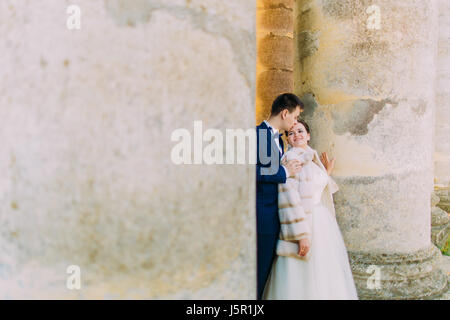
(269, 173)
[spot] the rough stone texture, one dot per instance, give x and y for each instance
(278, 20)
(444, 197)
(365, 116)
(434, 199)
(275, 82)
(276, 4)
(444, 265)
(442, 142)
(275, 26)
(371, 214)
(86, 175)
(440, 223)
(370, 100)
(402, 276)
(270, 48)
(308, 43)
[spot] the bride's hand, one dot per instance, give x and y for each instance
(303, 247)
(329, 165)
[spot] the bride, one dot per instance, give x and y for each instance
(318, 268)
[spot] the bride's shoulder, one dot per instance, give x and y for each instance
(309, 149)
(312, 152)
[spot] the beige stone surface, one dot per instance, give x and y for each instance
(370, 100)
(275, 46)
(85, 171)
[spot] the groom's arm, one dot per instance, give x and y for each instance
(279, 177)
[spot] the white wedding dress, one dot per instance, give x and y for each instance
(326, 275)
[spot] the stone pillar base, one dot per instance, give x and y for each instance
(444, 194)
(440, 227)
(402, 276)
(440, 223)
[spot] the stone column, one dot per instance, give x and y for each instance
(275, 53)
(86, 175)
(367, 78)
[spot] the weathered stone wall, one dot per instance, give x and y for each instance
(85, 171)
(275, 63)
(370, 95)
(367, 76)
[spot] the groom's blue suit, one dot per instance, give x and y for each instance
(267, 220)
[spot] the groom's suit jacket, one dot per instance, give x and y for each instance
(267, 219)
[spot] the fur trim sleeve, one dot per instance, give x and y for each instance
(294, 222)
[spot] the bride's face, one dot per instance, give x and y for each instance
(298, 136)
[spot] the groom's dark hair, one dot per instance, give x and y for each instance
(286, 101)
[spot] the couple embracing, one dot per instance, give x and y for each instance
(301, 254)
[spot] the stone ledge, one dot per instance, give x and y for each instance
(393, 258)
